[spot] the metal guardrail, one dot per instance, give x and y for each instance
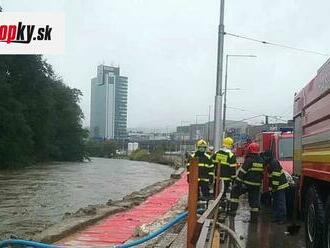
(233, 235)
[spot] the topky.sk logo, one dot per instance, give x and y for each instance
(32, 33)
(21, 33)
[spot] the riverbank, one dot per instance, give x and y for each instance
(35, 198)
(85, 217)
(157, 157)
(120, 227)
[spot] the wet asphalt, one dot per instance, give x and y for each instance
(265, 234)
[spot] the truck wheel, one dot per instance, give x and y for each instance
(314, 219)
(326, 238)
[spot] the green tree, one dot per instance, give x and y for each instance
(38, 110)
(15, 135)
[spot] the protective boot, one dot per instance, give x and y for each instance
(254, 217)
(231, 211)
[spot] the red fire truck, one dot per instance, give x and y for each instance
(281, 144)
(312, 156)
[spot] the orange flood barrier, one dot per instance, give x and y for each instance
(120, 227)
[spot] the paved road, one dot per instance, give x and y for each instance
(265, 234)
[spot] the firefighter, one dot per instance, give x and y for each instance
(205, 169)
(278, 184)
(187, 158)
(226, 159)
(186, 161)
(249, 180)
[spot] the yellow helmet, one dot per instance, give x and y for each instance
(228, 142)
(201, 143)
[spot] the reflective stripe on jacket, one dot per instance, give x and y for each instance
(227, 161)
(277, 178)
(251, 172)
(205, 167)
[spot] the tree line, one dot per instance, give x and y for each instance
(40, 117)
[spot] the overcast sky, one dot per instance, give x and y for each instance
(167, 48)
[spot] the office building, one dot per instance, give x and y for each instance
(109, 104)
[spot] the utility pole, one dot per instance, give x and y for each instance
(183, 145)
(218, 129)
(208, 125)
(196, 129)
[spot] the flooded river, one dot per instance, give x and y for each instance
(34, 198)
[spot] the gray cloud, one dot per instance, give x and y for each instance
(168, 51)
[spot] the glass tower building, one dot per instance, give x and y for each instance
(109, 104)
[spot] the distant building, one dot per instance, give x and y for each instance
(131, 147)
(109, 104)
(193, 132)
(147, 136)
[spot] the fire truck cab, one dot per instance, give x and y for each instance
(281, 144)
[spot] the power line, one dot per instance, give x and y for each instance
(240, 109)
(250, 118)
(276, 44)
(276, 117)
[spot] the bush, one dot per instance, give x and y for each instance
(140, 155)
(156, 156)
(103, 149)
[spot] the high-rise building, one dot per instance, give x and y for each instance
(109, 104)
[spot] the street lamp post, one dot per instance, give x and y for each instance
(226, 81)
(197, 137)
(183, 140)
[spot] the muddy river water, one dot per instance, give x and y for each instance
(34, 198)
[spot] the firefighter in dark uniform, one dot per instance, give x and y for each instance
(205, 169)
(187, 158)
(278, 184)
(226, 159)
(249, 180)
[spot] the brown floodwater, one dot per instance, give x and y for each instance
(33, 198)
